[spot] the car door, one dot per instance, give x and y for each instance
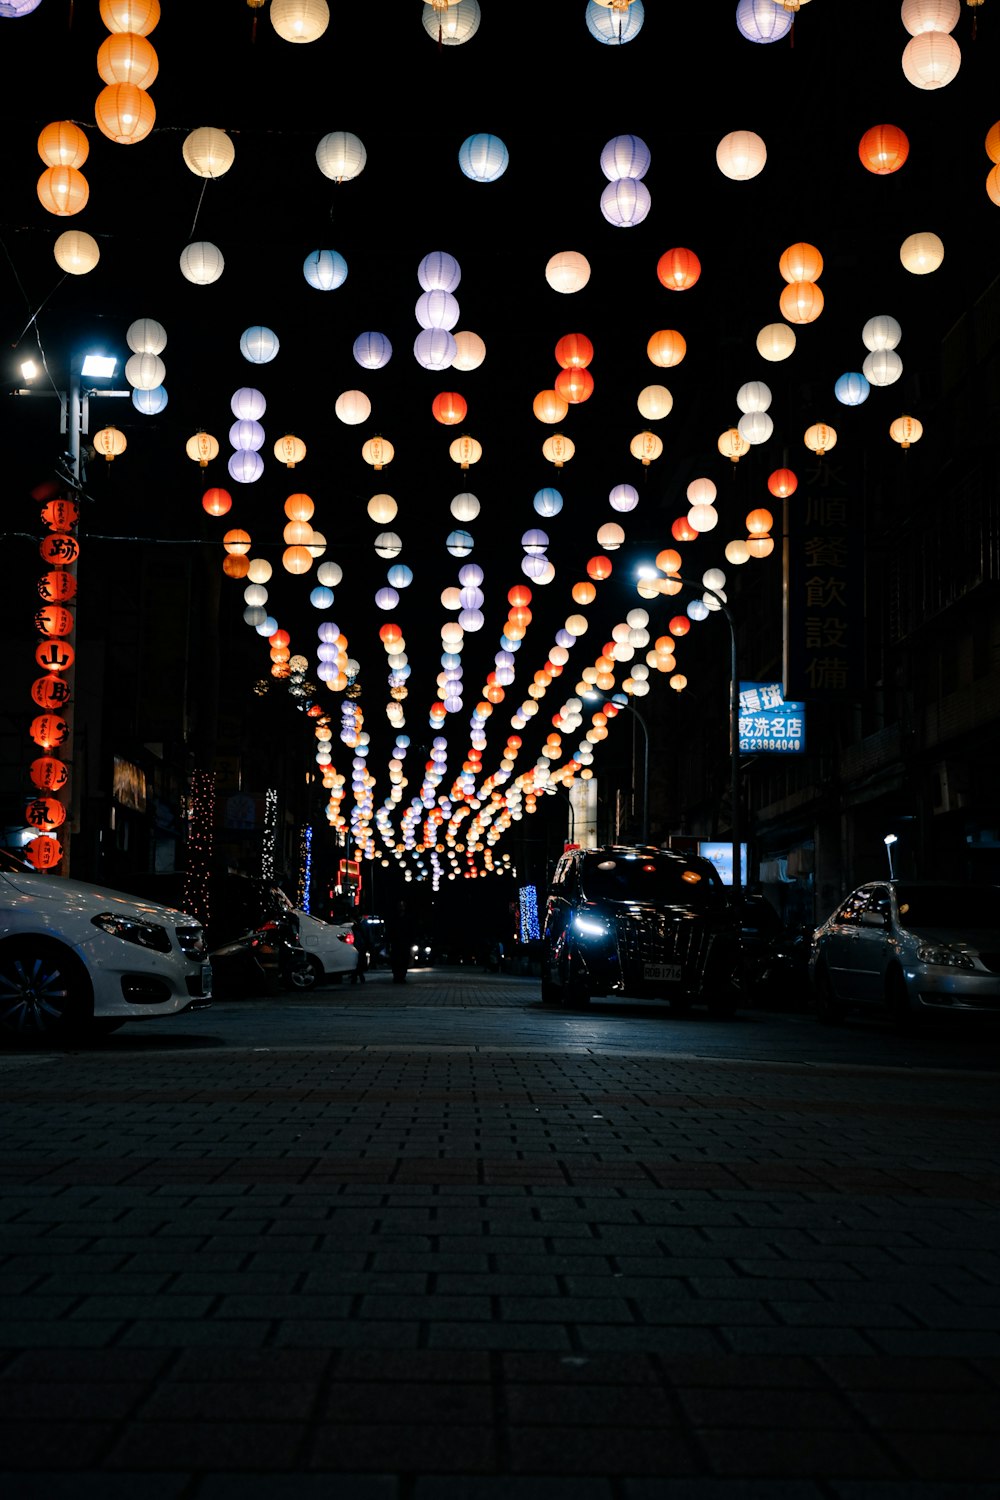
(870, 946)
(559, 909)
(839, 945)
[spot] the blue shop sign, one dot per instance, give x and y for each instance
(768, 722)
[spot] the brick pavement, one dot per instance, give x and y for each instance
(442, 1274)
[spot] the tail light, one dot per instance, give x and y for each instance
(347, 937)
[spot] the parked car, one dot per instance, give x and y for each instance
(76, 958)
(330, 947)
(910, 947)
(643, 923)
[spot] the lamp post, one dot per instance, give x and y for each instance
(621, 701)
(888, 841)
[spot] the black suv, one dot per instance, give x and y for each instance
(643, 923)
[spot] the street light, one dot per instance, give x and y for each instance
(888, 841)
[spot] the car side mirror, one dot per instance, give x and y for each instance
(875, 919)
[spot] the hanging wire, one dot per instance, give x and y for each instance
(201, 195)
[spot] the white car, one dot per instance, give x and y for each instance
(330, 948)
(77, 957)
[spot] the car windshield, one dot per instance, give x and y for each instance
(651, 878)
(13, 864)
(960, 906)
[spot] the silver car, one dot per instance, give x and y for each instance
(912, 947)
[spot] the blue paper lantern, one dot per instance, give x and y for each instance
(259, 345)
(247, 435)
(248, 404)
(321, 598)
(400, 576)
(483, 158)
(534, 542)
(547, 501)
(852, 388)
(439, 272)
(245, 466)
(763, 21)
(624, 497)
(372, 350)
(150, 402)
(325, 270)
(615, 27)
(697, 610)
(625, 156)
(13, 8)
(626, 202)
(386, 598)
(459, 543)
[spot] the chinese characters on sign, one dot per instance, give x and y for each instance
(824, 598)
(768, 722)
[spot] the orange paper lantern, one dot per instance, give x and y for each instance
(217, 502)
(883, 149)
(574, 351)
(449, 408)
(48, 773)
(44, 853)
(678, 269)
(782, 483)
(574, 385)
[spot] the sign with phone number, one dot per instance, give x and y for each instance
(768, 722)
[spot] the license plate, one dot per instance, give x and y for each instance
(206, 979)
(662, 972)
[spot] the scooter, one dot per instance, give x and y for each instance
(269, 958)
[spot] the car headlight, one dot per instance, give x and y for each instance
(945, 956)
(590, 927)
(145, 934)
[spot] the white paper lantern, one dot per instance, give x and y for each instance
(437, 309)
(300, 20)
(76, 252)
(144, 371)
(882, 367)
(341, 156)
(439, 272)
(775, 342)
(352, 408)
(931, 60)
(208, 152)
(202, 262)
(434, 349)
(259, 345)
(741, 155)
(921, 253)
(454, 24)
(146, 336)
(568, 271)
(881, 332)
(483, 158)
(470, 351)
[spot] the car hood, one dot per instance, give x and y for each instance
(643, 909)
(82, 897)
(974, 938)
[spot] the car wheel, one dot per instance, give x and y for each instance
(306, 978)
(44, 991)
(897, 999)
(829, 1009)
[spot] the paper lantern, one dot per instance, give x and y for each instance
(237, 543)
(883, 149)
(247, 434)
(454, 24)
(352, 408)
(48, 731)
(150, 403)
(127, 57)
(202, 448)
(124, 113)
(851, 388)
(60, 550)
(881, 332)
(437, 309)
(57, 586)
(741, 155)
(459, 544)
(139, 16)
(759, 522)
(202, 262)
(259, 345)
(930, 15)
(921, 253)
(666, 348)
(470, 351)
(610, 536)
(296, 559)
(60, 515)
(906, 430)
(760, 546)
(300, 20)
(763, 21)
(993, 185)
(245, 466)
(144, 371)
(439, 272)
(702, 491)
(341, 156)
(110, 442)
(574, 386)
(378, 452)
(63, 191)
(208, 152)
(755, 426)
(76, 252)
(48, 773)
(820, 438)
(43, 852)
(63, 144)
(931, 60)
(372, 351)
(558, 449)
(801, 302)
(464, 451)
(625, 156)
(646, 447)
(146, 336)
(55, 655)
(382, 509)
(547, 501)
(614, 26)
(549, 406)
(737, 553)
(753, 395)
(782, 482)
(655, 402)
(216, 502)
(434, 349)
(882, 367)
(465, 507)
(775, 342)
(289, 450)
(623, 498)
(801, 262)
(483, 158)
(732, 444)
(569, 271)
(574, 351)
(449, 408)
(53, 619)
(299, 507)
(625, 203)
(678, 269)
(992, 144)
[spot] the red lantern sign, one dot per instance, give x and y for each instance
(50, 692)
(53, 619)
(49, 774)
(44, 852)
(49, 730)
(59, 550)
(60, 515)
(55, 655)
(57, 587)
(44, 813)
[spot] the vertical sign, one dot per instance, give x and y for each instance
(824, 591)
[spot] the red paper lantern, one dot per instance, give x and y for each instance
(574, 351)
(599, 567)
(883, 149)
(53, 619)
(449, 408)
(60, 550)
(50, 692)
(44, 813)
(678, 269)
(43, 852)
(575, 385)
(57, 586)
(782, 483)
(519, 596)
(49, 730)
(216, 502)
(48, 773)
(60, 515)
(682, 530)
(55, 655)
(679, 625)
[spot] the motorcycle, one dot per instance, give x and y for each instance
(268, 958)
